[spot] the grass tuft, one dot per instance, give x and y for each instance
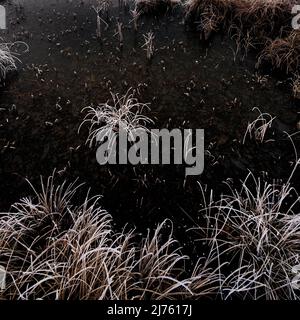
(53, 249)
(283, 53)
(8, 58)
(125, 113)
(255, 232)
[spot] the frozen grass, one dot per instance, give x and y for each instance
(135, 17)
(255, 232)
(103, 5)
(9, 58)
(54, 249)
(149, 44)
(99, 10)
(258, 128)
(125, 113)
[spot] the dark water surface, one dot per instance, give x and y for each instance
(189, 85)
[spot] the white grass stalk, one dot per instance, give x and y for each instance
(135, 17)
(257, 129)
(120, 33)
(149, 44)
(98, 11)
(296, 87)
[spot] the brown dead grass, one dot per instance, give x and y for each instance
(260, 24)
(260, 18)
(283, 53)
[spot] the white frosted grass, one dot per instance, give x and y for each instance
(125, 113)
(258, 128)
(149, 44)
(255, 232)
(54, 249)
(9, 58)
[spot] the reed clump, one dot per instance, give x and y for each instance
(264, 25)
(283, 53)
(9, 57)
(255, 232)
(54, 249)
(261, 19)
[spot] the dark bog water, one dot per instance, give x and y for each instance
(189, 84)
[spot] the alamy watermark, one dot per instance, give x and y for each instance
(2, 278)
(296, 280)
(296, 18)
(2, 18)
(143, 146)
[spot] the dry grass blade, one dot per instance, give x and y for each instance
(149, 44)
